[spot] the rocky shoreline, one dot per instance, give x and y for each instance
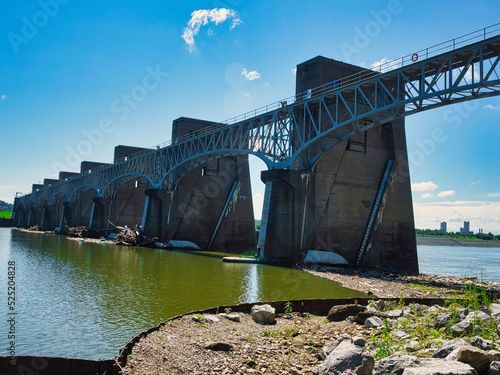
(383, 284)
(380, 338)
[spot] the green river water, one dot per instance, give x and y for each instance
(86, 300)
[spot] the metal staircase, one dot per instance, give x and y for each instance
(228, 200)
(375, 210)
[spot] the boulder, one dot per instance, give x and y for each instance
(341, 312)
(440, 367)
(361, 317)
(347, 357)
(498, 330)
(495, 312)
(393, 314)
(263, 314)
(462, 314)
(481, 343)
(326, 350)
(494, 368)
(395, 364)
(477, 358)
(374, 322)
(442, 320)
(462, 327)
(447, 347)
(359, 341)
(478, 316)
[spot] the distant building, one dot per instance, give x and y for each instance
(466, 228)
(443, 227)
(480, 230)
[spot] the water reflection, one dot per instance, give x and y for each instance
(251, 284)
(86, 300)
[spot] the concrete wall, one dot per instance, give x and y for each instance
(199, 200)
(185, 126)
(127, 205)
(64, 175)
(122, 151)
(85, 166)
(328, 207)
(190, 210)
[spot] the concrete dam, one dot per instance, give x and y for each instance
(337, 178)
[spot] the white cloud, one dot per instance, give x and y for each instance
(493, 195)
(3, 97)
(294, 71)
(481, 214)
(492, 107)
(423, 186)
(204, 16)
(474, 183)
(427, 195)
(267, 84)
(446, 193)
(468, 75)
(250, 75)
(377, 65)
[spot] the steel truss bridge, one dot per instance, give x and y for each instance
(296, 132)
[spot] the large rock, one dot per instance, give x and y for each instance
(442, 320)
(462, 327)
(395, 364)
(374, 322)
(478, 317)
(361, 317)
(347, 357)
(440, 367)
(263, 314)
(495, 312)
(447, 347)
(341, 312)
(481, 343)
(494, 368)
(394, 314)
(498, 330)
(462, 314)
(326, 350)
(477, 358)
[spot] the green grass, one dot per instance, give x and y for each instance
(7, 215)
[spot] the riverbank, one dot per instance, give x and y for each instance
(384, 284)
(375, 337)
(447, 241)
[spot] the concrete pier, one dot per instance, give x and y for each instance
(328, 208)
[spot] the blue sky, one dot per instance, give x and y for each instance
(76, 73)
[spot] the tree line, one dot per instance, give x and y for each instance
(471, 236)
